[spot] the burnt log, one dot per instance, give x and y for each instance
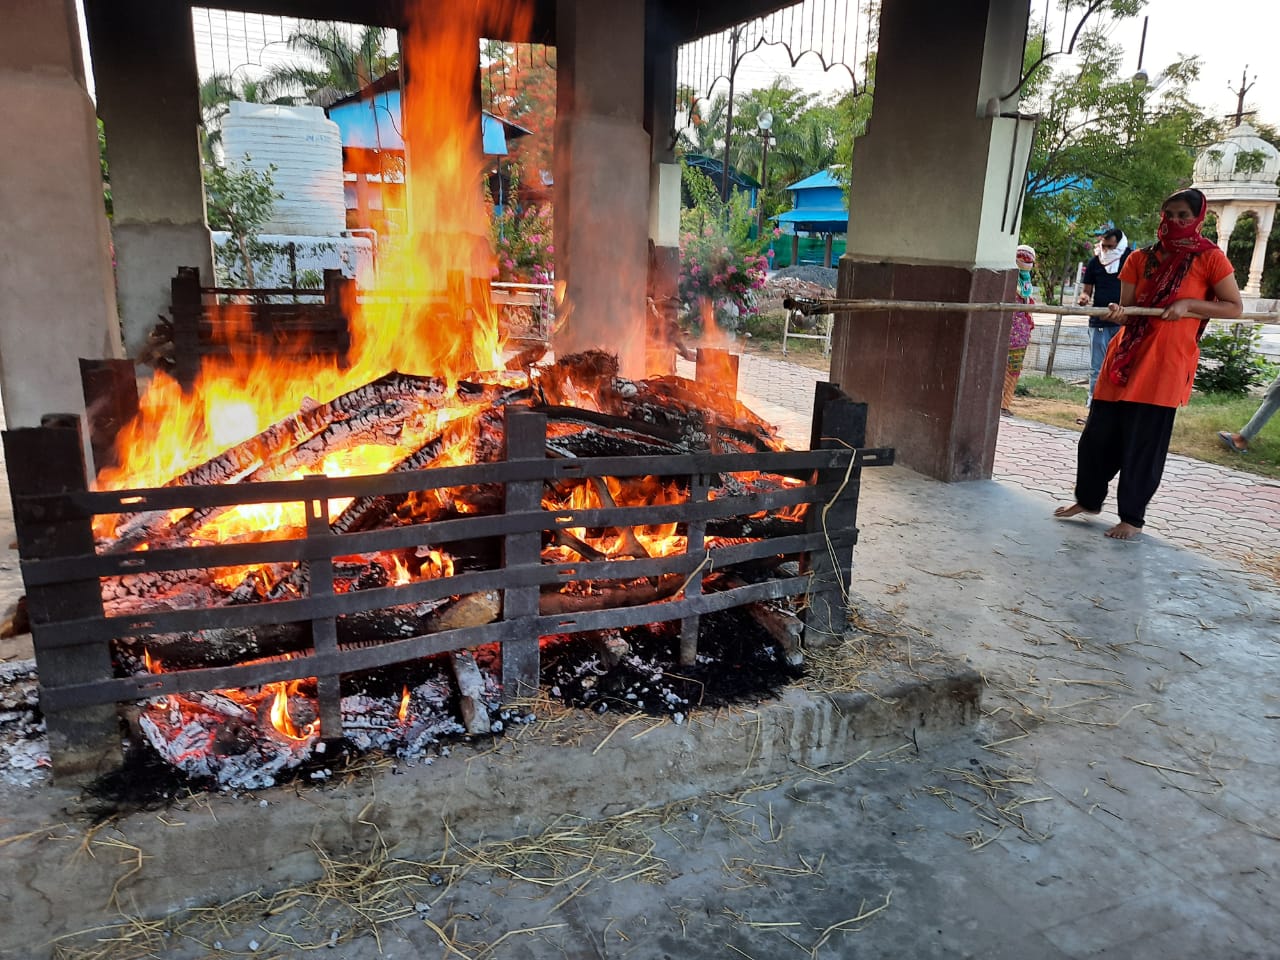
(222, 647)
(632, 594)
(240, 460)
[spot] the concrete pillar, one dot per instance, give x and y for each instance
(57, 301)
(1228, 214)
(936, 183)
(1265, 217)
(664, 195)
(602, 169)
(147, 86)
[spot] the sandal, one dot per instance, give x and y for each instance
(1229, 442)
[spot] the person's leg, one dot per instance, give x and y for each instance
(1098, 457)
(1270, 404)
(1012, 371)
(1098, 341)
(1146, 431)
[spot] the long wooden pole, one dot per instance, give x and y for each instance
(814, 307)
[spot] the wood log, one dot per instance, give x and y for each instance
(633, 594)
(220, 647)
(471, 699)
(234, 463)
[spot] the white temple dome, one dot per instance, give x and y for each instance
(1216, 170)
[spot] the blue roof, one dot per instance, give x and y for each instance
(371, 121)
(823, 178)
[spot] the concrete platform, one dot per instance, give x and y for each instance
(63, 874)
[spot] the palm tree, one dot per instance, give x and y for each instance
(217, 91)
(340, 65)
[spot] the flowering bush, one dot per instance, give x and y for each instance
(715, 279)
(720, 268)
(522, 241)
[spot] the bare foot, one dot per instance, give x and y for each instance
(1070, 511)
(1123, 531)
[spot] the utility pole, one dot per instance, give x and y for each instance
(734, 36)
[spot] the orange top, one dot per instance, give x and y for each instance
(1165, 370)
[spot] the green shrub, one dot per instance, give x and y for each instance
(765, 326)
(1229, 360)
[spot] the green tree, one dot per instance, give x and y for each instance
(102, 162)
(240, 200)
(217, 91)
(1107, 148)
(340, 64)
(518, 81)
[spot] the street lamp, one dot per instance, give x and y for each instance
(764, 122)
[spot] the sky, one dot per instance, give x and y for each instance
(1226, 35)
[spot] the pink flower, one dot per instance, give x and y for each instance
(550, 249)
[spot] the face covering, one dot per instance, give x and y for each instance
(1180, 233)
(1110, 259)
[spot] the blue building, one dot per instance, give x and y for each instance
(369, 124)
(818, 209)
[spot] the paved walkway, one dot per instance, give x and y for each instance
(1204, 506)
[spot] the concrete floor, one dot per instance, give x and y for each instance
(1119, 798)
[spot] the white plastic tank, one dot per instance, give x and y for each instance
(305, 147)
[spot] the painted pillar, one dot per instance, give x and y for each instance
(57, 299)
(664, 195)
(1228, 214)
(936, 183)
(1265, 217)
(144, 67)
(602, 169)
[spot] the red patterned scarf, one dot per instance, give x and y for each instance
(1179, 245)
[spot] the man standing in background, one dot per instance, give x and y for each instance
(1100, 286)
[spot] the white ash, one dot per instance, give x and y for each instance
(24, 742)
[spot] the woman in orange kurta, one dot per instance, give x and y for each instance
(1151, 366)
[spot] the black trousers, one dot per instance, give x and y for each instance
(1131, 439)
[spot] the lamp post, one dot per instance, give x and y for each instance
(764, 122)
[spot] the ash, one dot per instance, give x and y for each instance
(24, 744)
(636, 669)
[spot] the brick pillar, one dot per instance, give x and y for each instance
(936, 188)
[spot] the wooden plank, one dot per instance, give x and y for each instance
(324, 629)
(837, 421)
(411, 648)
(439, 533)
(186, 308)
(526, 439)
(695, 550)
(294, 611)
(110, 401)
(85, 741)
(285, 491)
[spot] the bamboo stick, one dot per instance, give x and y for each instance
(812, 307)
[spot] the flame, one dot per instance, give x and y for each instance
(654, 540)
(403, 713)
(279, 715)
(428, 315)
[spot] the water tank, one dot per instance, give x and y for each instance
(306, 150)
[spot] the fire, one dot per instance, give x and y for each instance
(279, 715)
(427, 316)
(657, 540)
(403, 713)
